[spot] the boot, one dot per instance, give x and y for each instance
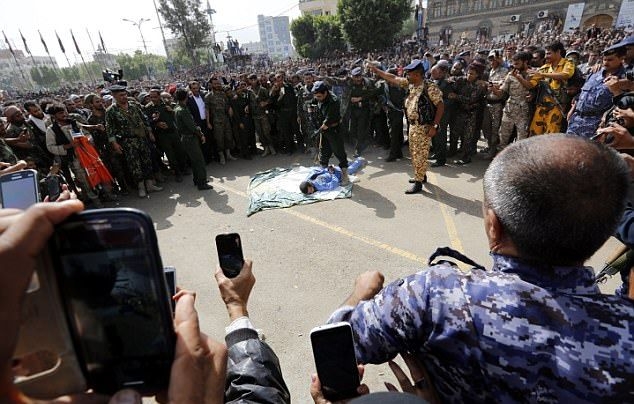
(272, 150)
(221, 156)
(151, 187)
(267, 151)
(416, 188)
(142, 192)
(345, 180)
(229, 156)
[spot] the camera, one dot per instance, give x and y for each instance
(112, 77)
(629, 75)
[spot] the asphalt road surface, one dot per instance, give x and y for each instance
(306, 258)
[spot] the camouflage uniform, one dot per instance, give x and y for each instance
(168, 139)
(493, 112)
(304, 110)
(261, 116)
(470, 96)
(516, 112)
(419, 140)
(217, 105)
(190, 132)
(6, 153)
(517, 333)
(594, 100)
(129, 130)
(113, 162)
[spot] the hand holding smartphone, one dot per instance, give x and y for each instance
(19, 189)
(230, 256)
(335, 360)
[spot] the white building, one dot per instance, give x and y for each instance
(11, 72)
(318, 7)
(275, 36)
(252, 48)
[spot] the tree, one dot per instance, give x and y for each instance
(185, 19)
(317, 37)
(136, 67)
(372, 24)
(303, 30)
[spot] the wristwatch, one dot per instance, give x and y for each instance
(436, 126)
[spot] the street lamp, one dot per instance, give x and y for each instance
(138, 25)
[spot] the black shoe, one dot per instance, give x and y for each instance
(413, 181)
(205, 186)
(462, 161)
(416, 188)
(437, 164)
(452, 152)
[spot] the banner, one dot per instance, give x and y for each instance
(61, 45)
(43, 43)
(26, 47)
(75, 42)
(8, 44)
(626, 15)
(573, 17)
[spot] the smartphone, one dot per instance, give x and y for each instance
(170, 279)
(54, 187)
(115, 299)
(19, 189)
(230, 254)
(335, 360)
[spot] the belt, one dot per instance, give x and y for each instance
(591, 113)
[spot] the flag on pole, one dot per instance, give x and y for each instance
(26, 47)
(103, 45)
(61, 45)
(75, 42)
(8, 44)
(43, 43)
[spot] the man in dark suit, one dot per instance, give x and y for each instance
(196, 105)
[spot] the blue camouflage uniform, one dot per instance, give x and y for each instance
(517, 333)
(595, 98)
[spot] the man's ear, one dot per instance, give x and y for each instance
(493, 229)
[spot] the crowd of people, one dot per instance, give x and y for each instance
(533, 328)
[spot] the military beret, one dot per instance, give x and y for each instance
(414, 65)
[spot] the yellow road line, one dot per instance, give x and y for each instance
(449, 224)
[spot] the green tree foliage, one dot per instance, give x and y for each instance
(317, 37)
(186, 20)
(372, 24)
(136, 67)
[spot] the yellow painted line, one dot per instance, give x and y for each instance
(449, 224)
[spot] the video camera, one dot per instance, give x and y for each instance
(111, 77)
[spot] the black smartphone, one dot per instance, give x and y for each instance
(230, 255)
(335, 360)
(115, 299)
(19, 189)
(170, 279)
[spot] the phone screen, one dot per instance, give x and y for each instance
(112, 285)
(230, 254)
(335, 360)
(19, 189)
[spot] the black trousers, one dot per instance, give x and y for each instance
(395, 123)
(332, 143)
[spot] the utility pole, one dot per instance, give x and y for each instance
(158, 16)
(138, 25)
(210, 12)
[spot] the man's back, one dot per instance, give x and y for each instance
(514, 334)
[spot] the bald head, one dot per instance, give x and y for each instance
(14, 114)
(557, 197)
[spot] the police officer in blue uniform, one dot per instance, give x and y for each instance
(535, 328)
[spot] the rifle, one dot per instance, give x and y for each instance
(621, 259)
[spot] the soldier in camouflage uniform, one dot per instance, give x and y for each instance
(20, 137)
(494, 103)
(304, 110)
(164, 128)
(219, 121)
(125, 126)
(535, 328)
(6, 153)
(516, 112)
(261, 115)
(420, 133)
